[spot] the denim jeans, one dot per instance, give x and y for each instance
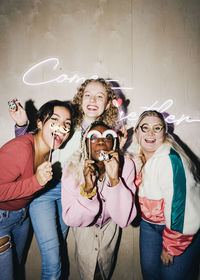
(50, 231)
(184, 266)
(15, 225)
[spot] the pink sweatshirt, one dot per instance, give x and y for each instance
(116, 203)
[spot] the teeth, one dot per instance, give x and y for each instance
(92, 107)
(150, 140)
(58, 134)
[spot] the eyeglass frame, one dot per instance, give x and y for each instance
(151, 127)
(101, 135)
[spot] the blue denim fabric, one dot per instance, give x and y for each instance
(150, 251)
(14, 224)
(46, 217)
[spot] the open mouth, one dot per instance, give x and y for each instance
(58, 137)
(92, 107)
(150, 141)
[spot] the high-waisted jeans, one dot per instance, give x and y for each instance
(184, 266)
(46, 218)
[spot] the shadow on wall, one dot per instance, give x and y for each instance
(122, 103)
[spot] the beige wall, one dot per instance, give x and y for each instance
(151, 46)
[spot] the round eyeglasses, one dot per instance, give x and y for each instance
(156, 128)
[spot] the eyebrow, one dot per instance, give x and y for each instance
(97, 92)
(152, 124)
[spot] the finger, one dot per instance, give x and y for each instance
(114, 155)
(87, 162)
(18, 103)
(91, 167)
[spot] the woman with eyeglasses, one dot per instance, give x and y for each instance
(98, 198)
(169, 198)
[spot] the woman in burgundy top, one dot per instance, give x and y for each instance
(25, 169)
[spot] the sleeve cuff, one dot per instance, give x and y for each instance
(175, 242)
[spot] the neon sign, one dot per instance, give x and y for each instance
(163, 108)
(59, 79)
(54, 63)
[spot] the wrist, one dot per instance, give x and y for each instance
(87, 193)
(22, 125)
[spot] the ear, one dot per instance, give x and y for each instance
(108, 105)
(39, 124)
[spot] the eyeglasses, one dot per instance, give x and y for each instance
(107, 136)
(156, 128)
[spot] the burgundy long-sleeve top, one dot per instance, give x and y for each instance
(18, 182)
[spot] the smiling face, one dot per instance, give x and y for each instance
(150, 135)
(95, 101)
(58, 126)
(99, 144)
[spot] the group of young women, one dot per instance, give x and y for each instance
(96, 193)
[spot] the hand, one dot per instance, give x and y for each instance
(112, 168)
(122, 136)
(44, 173)
(166, 258)
(19, 114)
(138, 163)
(89, 173)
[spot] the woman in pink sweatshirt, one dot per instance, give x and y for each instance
(98, 197)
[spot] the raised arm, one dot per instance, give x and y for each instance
(18, 114)
(77, 210)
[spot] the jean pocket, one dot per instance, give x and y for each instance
(3, 215)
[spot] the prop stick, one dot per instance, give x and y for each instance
(51, 148)
(89, 135)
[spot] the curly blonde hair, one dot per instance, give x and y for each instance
(109, 116)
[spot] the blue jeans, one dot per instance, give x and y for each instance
(50, 231)
(15, 226)
(184, 265)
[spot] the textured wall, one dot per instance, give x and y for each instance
(149, 46)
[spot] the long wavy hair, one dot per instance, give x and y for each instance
(109, 116)
(168, 138)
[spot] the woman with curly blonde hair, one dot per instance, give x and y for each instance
(109, 115)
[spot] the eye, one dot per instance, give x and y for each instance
(100, 96)
(86, 95)
(54, 119)
(158, 128)
(145, 128)
(67, 124)
(109, 138)
(93, 138)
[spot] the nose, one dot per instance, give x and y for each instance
(100, 141)
(92, 98)
(151, 132)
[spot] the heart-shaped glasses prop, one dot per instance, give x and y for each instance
(93, 136)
